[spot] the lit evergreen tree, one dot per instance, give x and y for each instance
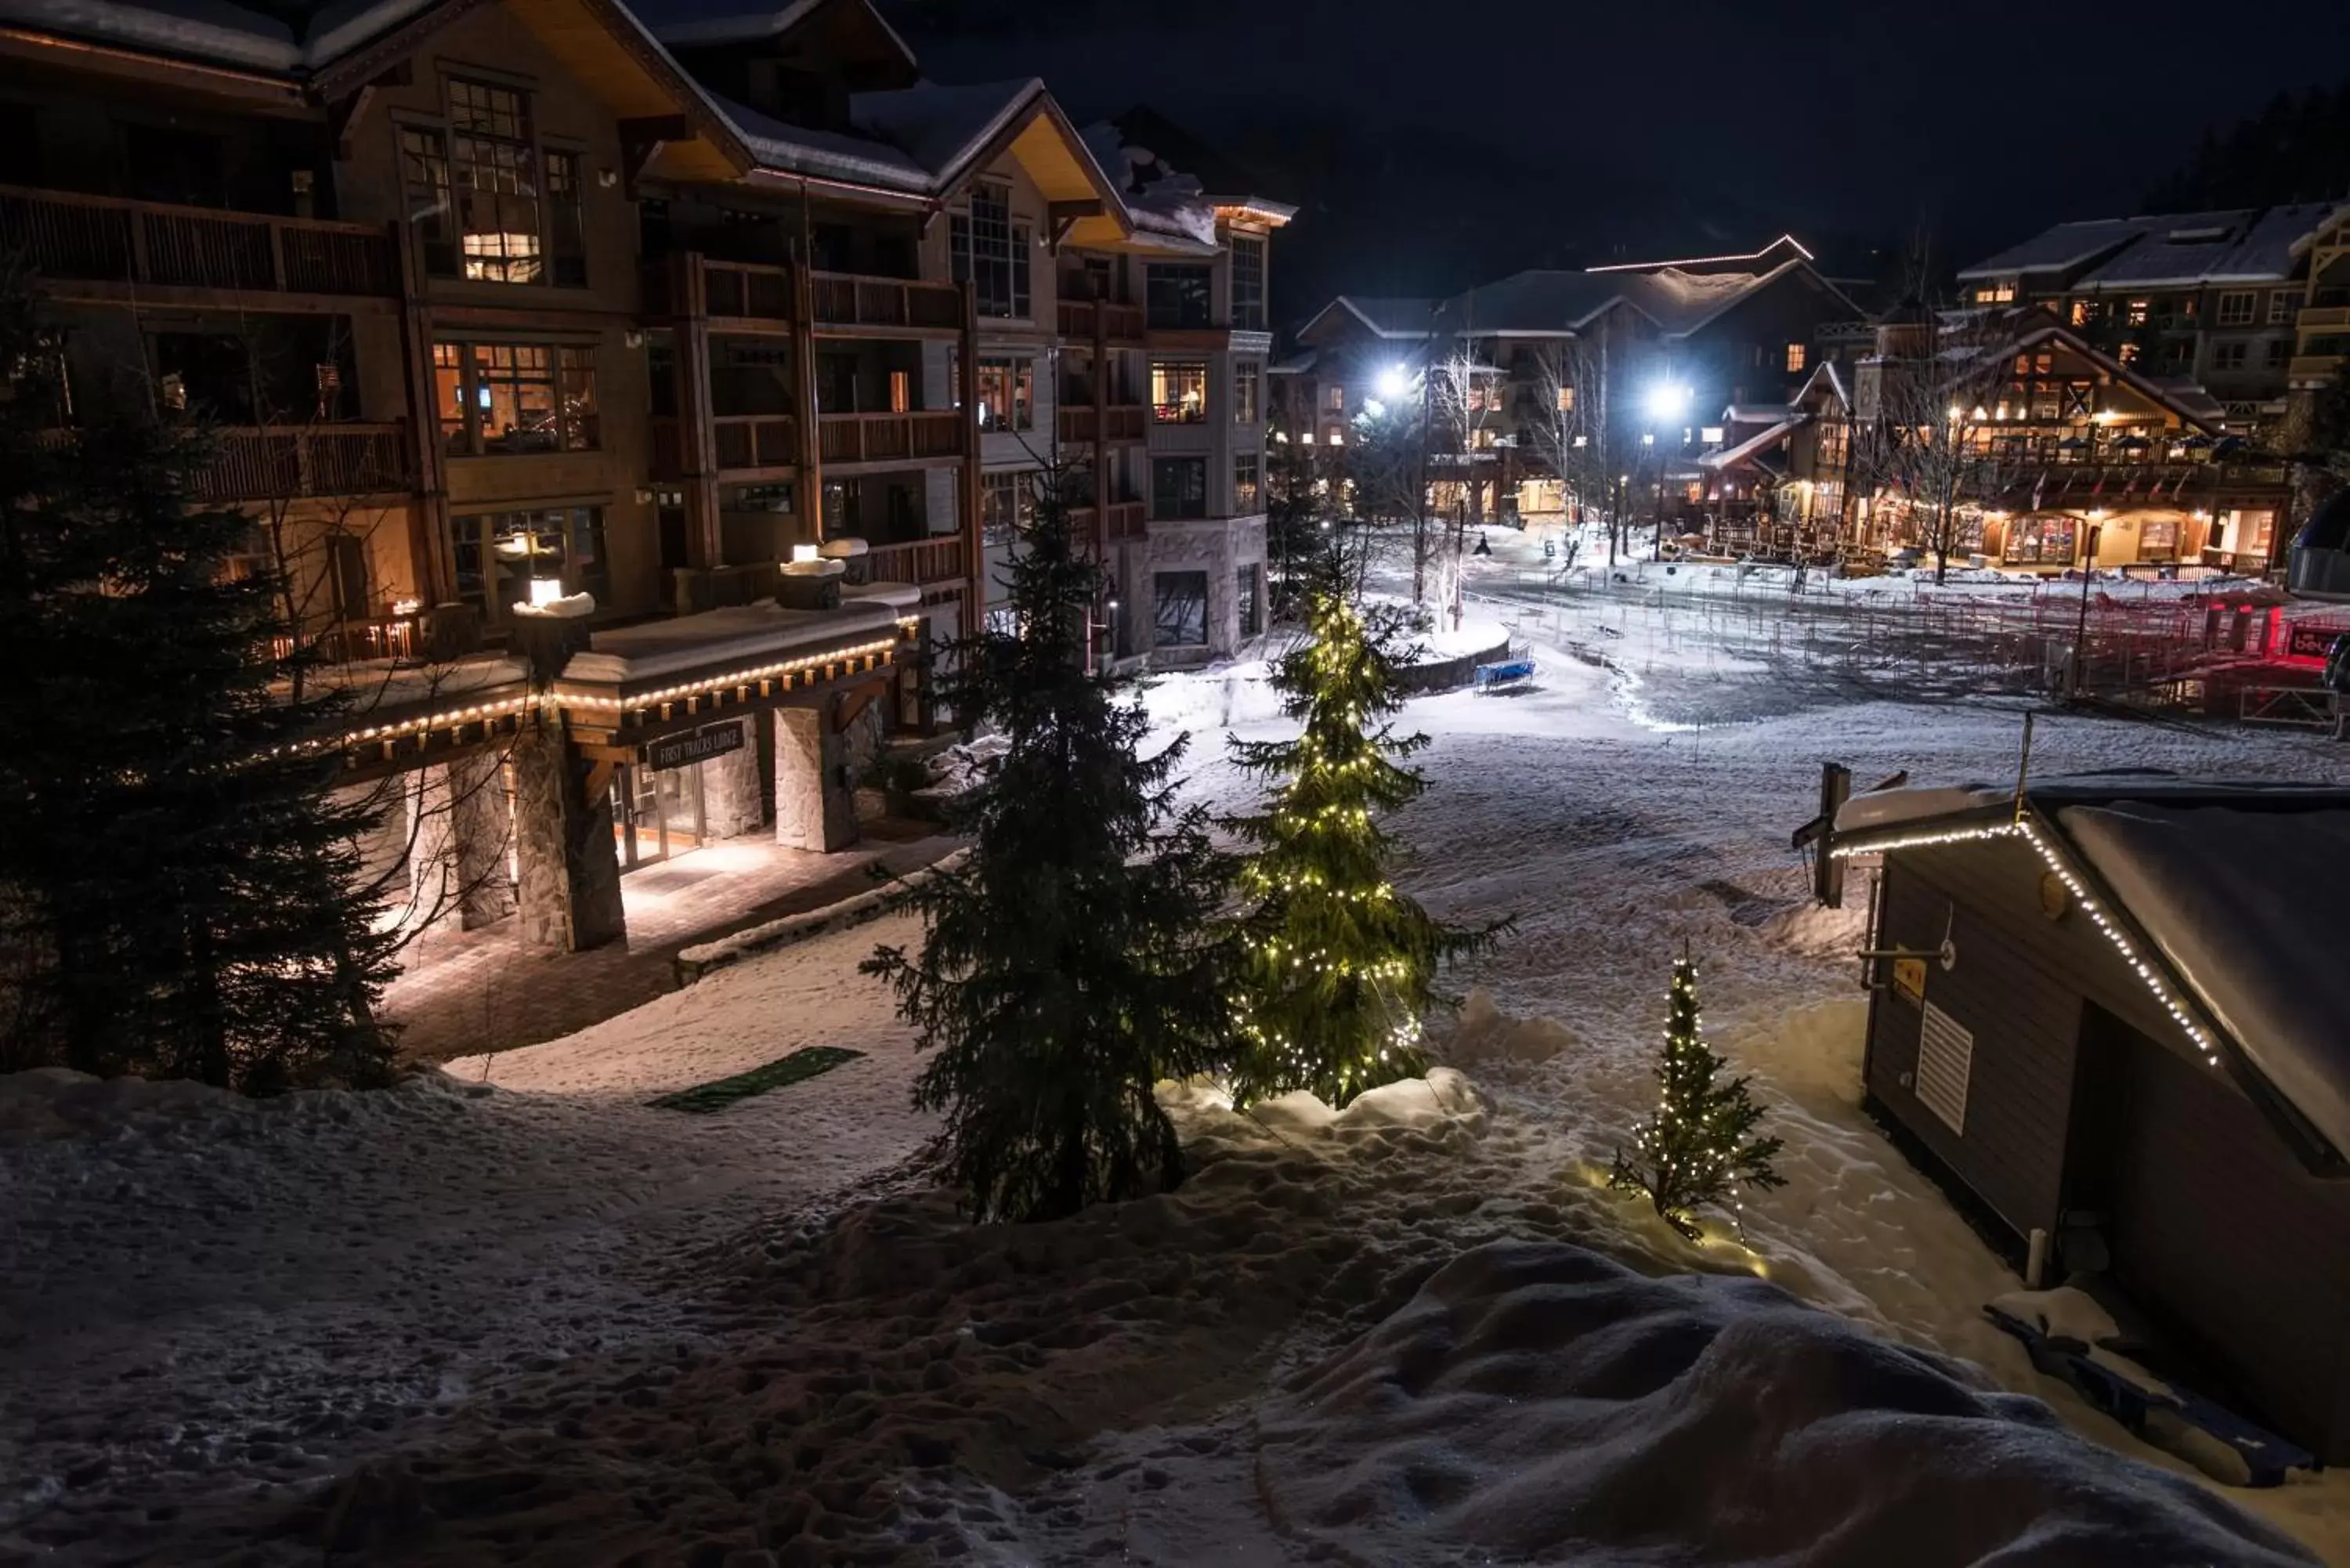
(1341, 966)
(1695, 1150)
(175, 880)
(1074, 958)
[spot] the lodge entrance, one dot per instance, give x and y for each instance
(657, 813)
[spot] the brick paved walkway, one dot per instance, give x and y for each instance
(470, 991)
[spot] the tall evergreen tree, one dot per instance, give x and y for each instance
(1073, 960)
(1341, 966)
(1695, 1150)
(176, 880)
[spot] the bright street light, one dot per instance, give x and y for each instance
(1375, 408)
(1668, 400)
(1394, 381)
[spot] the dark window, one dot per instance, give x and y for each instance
(1244, 586)
(567, 237)
(172, 163)
(424, 169)
(989, 252)
(1248, 285)
(1006, 507)
(1248, 381)
(204, 374)
(1176, 296)
(1179, 609)
(346, 578)
(496, 179)
(1178, 487)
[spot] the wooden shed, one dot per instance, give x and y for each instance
(2116, 1011)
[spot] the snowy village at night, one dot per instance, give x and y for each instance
(922, 782)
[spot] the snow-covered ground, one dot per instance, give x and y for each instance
(541, 1323)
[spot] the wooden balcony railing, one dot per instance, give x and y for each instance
(1120, 421)
(841, 299)
(756, 441)
(101, 239)
(669, 446)
(287, 461)
(1118, 323)
(923, 561)
(883, 438)
(2324, 318)
(1124, 520)
(747, 291)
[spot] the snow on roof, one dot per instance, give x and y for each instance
(1754, 445)
(2244, 904)
(2244, 244)
(940, 126)
(825, 154)
(1389, 316)
(217, 31)
(2065, 246)
(1161, 197)
(652, 648)
(684, 23)
(1542, 300)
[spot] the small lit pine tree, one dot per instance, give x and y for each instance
(1340, 966)
(1076, 957)
(1695, 1150)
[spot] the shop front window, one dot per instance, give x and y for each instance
(2041, 541)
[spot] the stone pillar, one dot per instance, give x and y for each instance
(383, 848)
(570, 869)
(730, 803)
(457, 854)
(816, 801)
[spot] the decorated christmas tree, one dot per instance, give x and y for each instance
(1076, 957)
(1340, 966)
(1695, 1150)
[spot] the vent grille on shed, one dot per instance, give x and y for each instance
(1946, 1055)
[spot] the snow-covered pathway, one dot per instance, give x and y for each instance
(675, 1336)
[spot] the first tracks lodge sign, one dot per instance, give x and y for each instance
(701, 745)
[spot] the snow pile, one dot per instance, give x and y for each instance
(858, 909)
(1538, 1401)
(1883, 808)
(1208, 701)
(2243, 903)
(963, 765)
(569, 606)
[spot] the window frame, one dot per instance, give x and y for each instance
(479, 125)
(569, 371)
(1167, 394)
(1248, 281)
(570, 525)
(1180, 509)
(987, 247)
(2237, 308)
(1248, 391)
(1168, 308)
(1018, 374)
(1248, 492)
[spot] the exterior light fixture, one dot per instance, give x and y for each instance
(804, 553)
(546, 590)
(1394, 381)
(1667, 401)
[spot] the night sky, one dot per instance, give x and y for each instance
(1436, 145)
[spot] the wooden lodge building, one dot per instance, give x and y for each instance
(510, 303)
(2106, 1014)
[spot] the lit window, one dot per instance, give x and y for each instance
(1006, 394)
(498, 399)
(1245, 467)
(496, 179)
(1794, 358)
(1178, 391)
(497, 556)
(1566, 399)
(2127, 354)
(1334, 400)
(2236, 307)
(2134, 313)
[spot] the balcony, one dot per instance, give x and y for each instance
(889, 438)
(747, 291)
(1116, 323)
(1119, 422)
(922, 563)
(2324, 318)
(2308, 368)
(290, 462)
(756, 441)
(845, 305)
(1121, 520)
(74, 238)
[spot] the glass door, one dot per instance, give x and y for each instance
(656, 814)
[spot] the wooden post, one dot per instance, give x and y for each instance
(974, 550)
(1827, 870)
(809, 496)
(428, 512)
(1101, 431)
(697, 440)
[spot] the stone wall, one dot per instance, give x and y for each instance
(815, 798)
(731, 796)
(570, 869)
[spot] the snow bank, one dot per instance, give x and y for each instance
(857, 910)
(1537, 1401)
(1883, 808)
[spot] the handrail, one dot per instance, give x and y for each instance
(261, 462)
(72, 236)
(876, 438)
(918, 561)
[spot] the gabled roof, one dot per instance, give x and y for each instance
(1385, 315)
(1554, 303)
(1754, 445)
(2176, 250)
(217, 31)
(1783, 249)
(2219, 898)
(1980, 361)
(700, 24)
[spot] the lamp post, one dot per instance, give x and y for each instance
(1667, 401)
(2081, 627)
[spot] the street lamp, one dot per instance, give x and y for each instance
(1393, 382)
(1665, 402)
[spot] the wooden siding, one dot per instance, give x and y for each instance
(2024, 1018)
(2221, 1234)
